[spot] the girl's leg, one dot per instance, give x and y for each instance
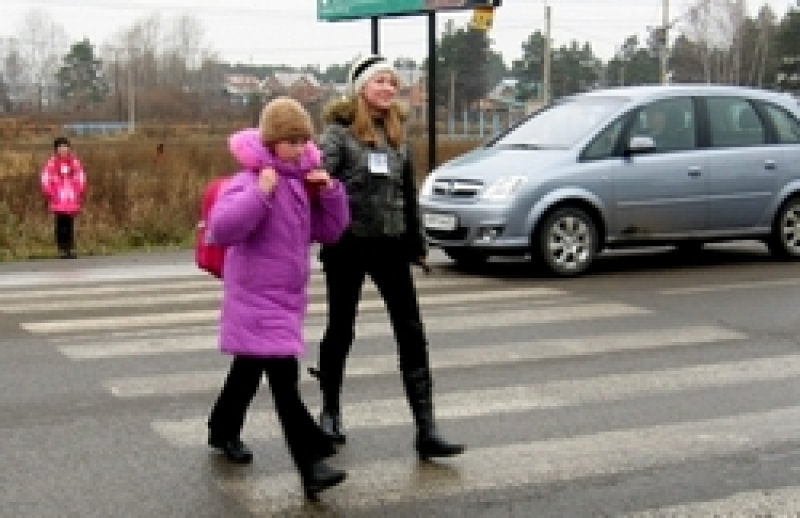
(228, 415)
(62, 230)
(393, 278)
(344, 279)
(307, 444)
(69, 223)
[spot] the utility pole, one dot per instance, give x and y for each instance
(546, 60)
(665, 43)
(131, 100)
(453, 94)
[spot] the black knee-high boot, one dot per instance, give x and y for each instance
(428, 443)
(330, 419)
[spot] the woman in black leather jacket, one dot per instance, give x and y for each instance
(364, 147)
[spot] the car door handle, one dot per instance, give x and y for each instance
(770, 165)
(695, 171)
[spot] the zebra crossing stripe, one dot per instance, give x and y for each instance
(321, 308)
(87, 297)
(79, 292)
(730, 286)
(378, 365)
(378, 484)
(782, 501)
(517, 398)
(364, 330)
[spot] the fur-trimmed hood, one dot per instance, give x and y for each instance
(343, 111)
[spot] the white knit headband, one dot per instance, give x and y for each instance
(362, 72)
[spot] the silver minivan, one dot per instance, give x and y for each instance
(678, 164)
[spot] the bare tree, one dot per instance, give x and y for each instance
(766, 22)
(42, 43)
(183, 50)
(715, 28)
(13, 73)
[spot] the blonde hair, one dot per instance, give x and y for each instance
(363, 127)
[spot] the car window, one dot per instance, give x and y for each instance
(670, 123)
(604, 145)
(562, 125)
(785, 123)
(734, 123)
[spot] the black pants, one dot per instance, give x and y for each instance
(65, 232)
(306, 442)
(346, 265)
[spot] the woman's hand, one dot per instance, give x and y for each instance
(267, 180)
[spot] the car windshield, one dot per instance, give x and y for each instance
(562, 125)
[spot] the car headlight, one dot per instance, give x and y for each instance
(503, 188)
(427, 186)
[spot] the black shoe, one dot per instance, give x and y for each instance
(71, 255)
(319, 478)
(430, 445)
(234, 449)
(331, 425)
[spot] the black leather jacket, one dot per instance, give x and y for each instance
(381, 205)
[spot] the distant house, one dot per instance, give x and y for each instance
(413, 90)
(303, 86)
(240, 88)
(502, 98)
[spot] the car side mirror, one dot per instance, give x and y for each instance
(640, 145)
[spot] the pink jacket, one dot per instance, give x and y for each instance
(268, 259)
(63, 184)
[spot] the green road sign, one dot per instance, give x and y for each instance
(332, 10)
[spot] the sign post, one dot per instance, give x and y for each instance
(337, 10)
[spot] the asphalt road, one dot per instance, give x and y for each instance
(658, 385)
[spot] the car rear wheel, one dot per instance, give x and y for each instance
(784, 242)
(465, 258)
(566, 243)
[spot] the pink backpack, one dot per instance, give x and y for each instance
(209, 256)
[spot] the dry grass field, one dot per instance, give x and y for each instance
(136, 199)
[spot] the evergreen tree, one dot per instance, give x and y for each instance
(529, 70)
(788, 52)
(462, 67)
(80, 79)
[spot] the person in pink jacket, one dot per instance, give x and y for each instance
(63, 185)
(267, 216)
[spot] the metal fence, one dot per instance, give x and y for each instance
(97, 128)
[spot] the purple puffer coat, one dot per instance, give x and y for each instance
(267, 263)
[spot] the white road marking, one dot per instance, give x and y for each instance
(406, 480)
(731, 286)
(515, 398)
(207, 316)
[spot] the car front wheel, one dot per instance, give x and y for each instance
(566, 243)
(785, 239)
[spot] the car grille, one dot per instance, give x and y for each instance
(457, 188)
(458, 234)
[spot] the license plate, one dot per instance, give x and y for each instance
(434, 221)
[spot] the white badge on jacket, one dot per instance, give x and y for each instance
(379, 164)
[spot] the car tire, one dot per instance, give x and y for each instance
(784, 242)
(566, 242)
(465, 258)
(689, 248)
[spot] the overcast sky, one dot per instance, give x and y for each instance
(287, 31)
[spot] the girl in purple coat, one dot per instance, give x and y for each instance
(267, 215)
